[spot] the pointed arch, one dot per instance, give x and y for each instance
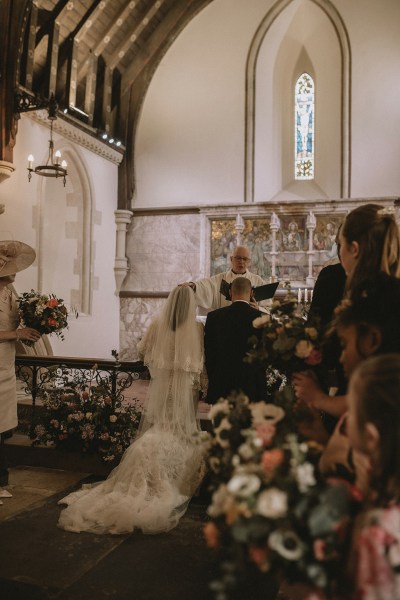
(343, 39)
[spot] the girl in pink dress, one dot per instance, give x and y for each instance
(374, 429)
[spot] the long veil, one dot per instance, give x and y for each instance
(163, 467)
(172, 348)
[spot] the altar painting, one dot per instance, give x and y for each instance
(291, 245)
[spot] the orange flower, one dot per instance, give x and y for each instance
(272, 459)
(211, 533)
(52, 303)
(52, 322)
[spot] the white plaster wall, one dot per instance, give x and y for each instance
(190, 139)
(373, 28)
(97, 333)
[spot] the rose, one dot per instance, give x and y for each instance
(52, 322)
(52, 303)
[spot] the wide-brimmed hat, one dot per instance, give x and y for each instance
(15, 257)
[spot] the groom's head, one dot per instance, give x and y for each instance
(241, 289)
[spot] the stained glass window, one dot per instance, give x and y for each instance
(304, 127)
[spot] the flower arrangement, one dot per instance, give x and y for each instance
(45, 313)
(289, 342)
(85, 415)
(269, 510)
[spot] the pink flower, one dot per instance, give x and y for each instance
(265, 432)
(259, 557)
(314, 358)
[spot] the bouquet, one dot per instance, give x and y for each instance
(85, 415)
(269, 512)
(45, 313)
(289, 342)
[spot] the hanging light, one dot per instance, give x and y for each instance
(54, 167)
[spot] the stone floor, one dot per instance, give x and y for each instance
(38, 561)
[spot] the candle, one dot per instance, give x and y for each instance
(30, 161)
(306, 295)
(64, 164)
(57, 156)
(311, 295)
(299, 296)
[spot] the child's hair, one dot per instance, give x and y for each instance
(376, 382)
(376, 302)
(375, 230)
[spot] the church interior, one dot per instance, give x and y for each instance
(175, 130)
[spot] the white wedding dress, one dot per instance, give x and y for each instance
(161, 470)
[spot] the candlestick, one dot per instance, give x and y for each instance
(299, 296)
(306, 295)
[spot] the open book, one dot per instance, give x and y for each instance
(261, 292)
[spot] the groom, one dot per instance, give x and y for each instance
(226, 342)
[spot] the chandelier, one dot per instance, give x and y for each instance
(54, 167)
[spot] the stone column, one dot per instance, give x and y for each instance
(274, 225)
(311, 224)
(121, 266)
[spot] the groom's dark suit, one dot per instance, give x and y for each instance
(227, 333)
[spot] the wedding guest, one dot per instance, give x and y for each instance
(367, 325)
(226, 341)
(369, 244)
(373, 427)
(207, 290)
(14, 257)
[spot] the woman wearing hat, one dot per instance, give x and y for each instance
(14, 257)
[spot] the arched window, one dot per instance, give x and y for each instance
(304, 127)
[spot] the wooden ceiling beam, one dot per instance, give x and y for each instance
(47, 26)
(124, 47)
(119, 20)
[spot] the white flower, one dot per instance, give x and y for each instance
(219, 407)
(261, 412)
(246, 451)
(303, 349)
(89, 415)
(305, 476)
(287, 544)
(261, 321)
(244, 485)
(272, 503)
(113, 418)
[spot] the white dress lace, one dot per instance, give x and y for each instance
(158, 474)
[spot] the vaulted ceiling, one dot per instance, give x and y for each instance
(97, 57)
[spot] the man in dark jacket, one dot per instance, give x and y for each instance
(226, 342)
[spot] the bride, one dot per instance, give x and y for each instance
(151, 487)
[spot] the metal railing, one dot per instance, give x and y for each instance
(38, 372)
